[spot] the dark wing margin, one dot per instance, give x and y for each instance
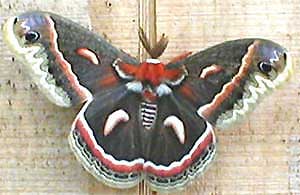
(182, 145)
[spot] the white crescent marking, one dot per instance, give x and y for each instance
(113, 119)
(206, 110)
(177, 125)
(210, 70)
(138, 161)
(88, 54)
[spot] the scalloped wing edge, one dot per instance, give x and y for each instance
(131, 178)
(256, 90)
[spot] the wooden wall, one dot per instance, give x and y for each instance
(261, 156)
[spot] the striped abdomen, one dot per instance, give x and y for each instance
(148, 112)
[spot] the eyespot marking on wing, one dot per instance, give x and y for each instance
(36, 61)
(88, 54)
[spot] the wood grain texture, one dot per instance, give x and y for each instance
(260, 156)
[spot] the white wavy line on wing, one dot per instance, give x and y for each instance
(34, 65)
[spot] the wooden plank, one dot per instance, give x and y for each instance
(256, 157)
(260, 156)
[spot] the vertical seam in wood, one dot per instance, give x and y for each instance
(152, 23)
(141, 23)
(147, 21)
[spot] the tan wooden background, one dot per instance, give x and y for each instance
(261, 156)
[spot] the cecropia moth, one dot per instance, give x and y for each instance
(148, 120)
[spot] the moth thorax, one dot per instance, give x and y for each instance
(148, 113)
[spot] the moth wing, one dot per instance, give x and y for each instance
(105, 138)
(109, 139)
(225, 82)
(181, 145)
(68, 62)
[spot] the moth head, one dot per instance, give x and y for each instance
(271, 61)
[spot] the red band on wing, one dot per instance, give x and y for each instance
(140, 165)
(186, 163)
(65, 66)
(229, 87)
(122, 168)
